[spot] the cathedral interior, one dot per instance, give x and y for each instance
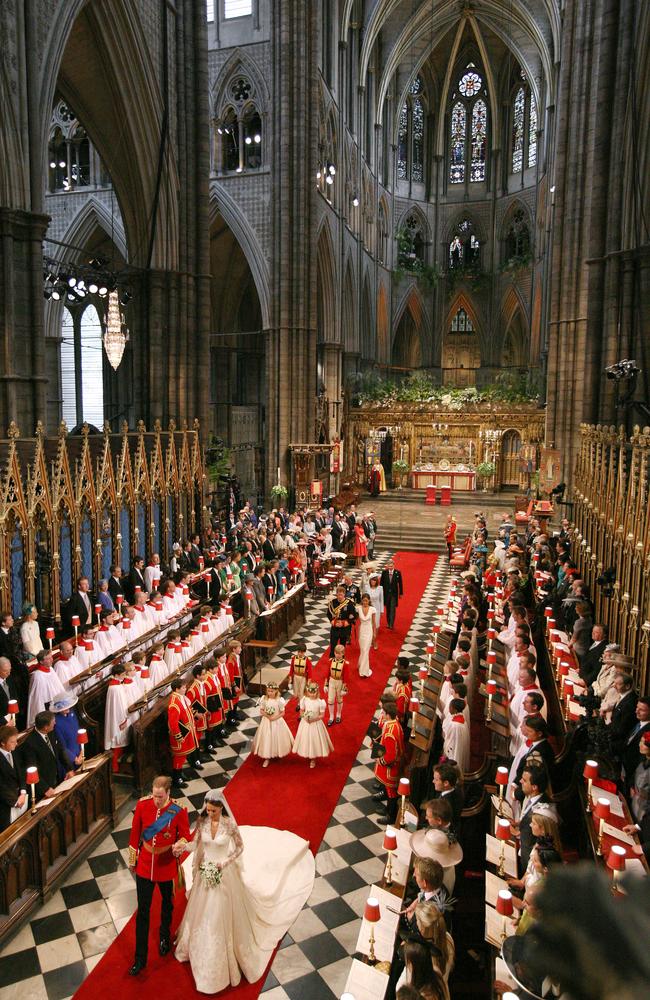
(293, 201)
(293, 241)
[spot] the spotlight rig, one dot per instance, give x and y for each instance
(74, 282)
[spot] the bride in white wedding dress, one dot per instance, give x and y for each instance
(246, 887)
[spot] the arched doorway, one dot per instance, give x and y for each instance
(461, 351)
(510, 448)
(237, 357)
(407, 344)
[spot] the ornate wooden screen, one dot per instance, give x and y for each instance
(612, 522)
(75, 504)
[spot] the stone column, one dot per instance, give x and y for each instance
(22, 338)
(593, 92)
(291, 339)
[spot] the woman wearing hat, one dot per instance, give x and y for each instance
(437, 840)
(30, 634)
(67, 725)
(237, 908)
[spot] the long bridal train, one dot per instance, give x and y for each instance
(231, 929)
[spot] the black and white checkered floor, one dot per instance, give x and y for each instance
(52, 954)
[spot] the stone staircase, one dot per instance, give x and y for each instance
(406, 522)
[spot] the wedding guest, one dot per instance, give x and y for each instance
(67, 726)
(8, 691)
(447, 785)
(393, 586)
(104, 596)
(13, 790)
(367, 635)
(30, 634)
(312, 739)
(273, 737)
(375, 591)
(43, 749)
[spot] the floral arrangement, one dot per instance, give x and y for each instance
(486, 469)
(420, 387)
(211, 873)
(269, 710)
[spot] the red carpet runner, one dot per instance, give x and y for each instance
(286, 795)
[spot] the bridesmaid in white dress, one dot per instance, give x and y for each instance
(312, 739)
(273, 737)
(367, 635)
(237, 909)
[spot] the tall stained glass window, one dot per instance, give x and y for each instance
(410, 135)
(458, 139)
(524, 128)
(479, 140)
(417, 148)
(468, 129)
(518, 112)
(402, 143)
(532, 133)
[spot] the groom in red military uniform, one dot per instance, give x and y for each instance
(158, 824)
(387, 766)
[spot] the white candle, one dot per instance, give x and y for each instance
(278, 473)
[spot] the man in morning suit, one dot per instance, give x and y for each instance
(13, 790)
(8, 690)
(43, 749)
(391, 583)
(624, 714)
(592, 660)
(158, 824)
(81, 604)
(631, 755)
(136, 578)
(115, 585)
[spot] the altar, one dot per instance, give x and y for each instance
(459, 478)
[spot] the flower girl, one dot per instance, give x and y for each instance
(273, 737)
(312, 739)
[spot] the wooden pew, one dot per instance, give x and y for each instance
(38, 852)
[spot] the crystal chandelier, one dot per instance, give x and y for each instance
(116, 333)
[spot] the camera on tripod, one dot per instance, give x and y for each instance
(607, 580)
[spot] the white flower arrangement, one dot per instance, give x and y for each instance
(270, 710)
(211, 873)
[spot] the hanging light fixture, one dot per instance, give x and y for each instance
(115, 333)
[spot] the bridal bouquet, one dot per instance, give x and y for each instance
(270, 711)
(211, 873)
